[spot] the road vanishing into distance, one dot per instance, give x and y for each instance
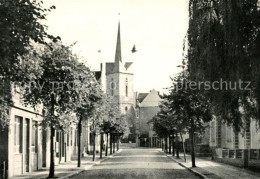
(137, 163)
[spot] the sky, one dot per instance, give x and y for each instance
(156, 27)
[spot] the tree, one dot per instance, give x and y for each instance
(182, 110)
(120, 129)
(223, 44)
(108, 125)
(160, 129)
(20, 26)
(57, 72)
(86, 91)
(97, 115)
(191, 108)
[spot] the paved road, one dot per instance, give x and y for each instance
(137, 163)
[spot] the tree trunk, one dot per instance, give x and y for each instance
(192, 144)
(118, 139)
(110, 145)
(101, 145)
(183, 145)
(52, 159)
(60, 145)
(162, 144)
(107, 145)
(170, 145)
(173, 146)
(166, 147)
(79, 140)
(114, 143)
(177, 147)
(94, 146)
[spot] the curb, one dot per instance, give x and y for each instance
(88, 167)
(190, 169)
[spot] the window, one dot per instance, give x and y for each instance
(18, 134)
(219, 127)
(236, 139)
(112, 87)
(247, 135)
(34, 136)
(91, 138)
(213, 132)
(62, 145)
(68, 139)
(75, 137)
(137, 113)
(126, 87)
(71, 139)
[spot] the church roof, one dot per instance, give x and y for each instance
(118, 57)
(128, 64)
(117, 66)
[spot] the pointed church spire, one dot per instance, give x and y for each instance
(118, 57)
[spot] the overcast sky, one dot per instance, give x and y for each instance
(156, 27)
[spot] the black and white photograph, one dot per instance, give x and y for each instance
(130, 89)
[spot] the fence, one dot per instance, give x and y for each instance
(248, 158)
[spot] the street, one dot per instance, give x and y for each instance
(137, 163)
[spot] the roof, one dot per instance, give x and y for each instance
(128, 64)
(151, 100)
(141, 96)
(97, 75)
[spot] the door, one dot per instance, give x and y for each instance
(27, 146)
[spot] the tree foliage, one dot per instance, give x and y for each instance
(181, 106)
(54, 89)
(183, 110)
(21, 26)
(55, 84)
(21, 23)
(223, 43)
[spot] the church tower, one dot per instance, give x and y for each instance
(119, 80)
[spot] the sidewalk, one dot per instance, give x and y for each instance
(207, 168)
(66, 170)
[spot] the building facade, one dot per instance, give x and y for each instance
(146, 108)
(224, 136)
(25, 145)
